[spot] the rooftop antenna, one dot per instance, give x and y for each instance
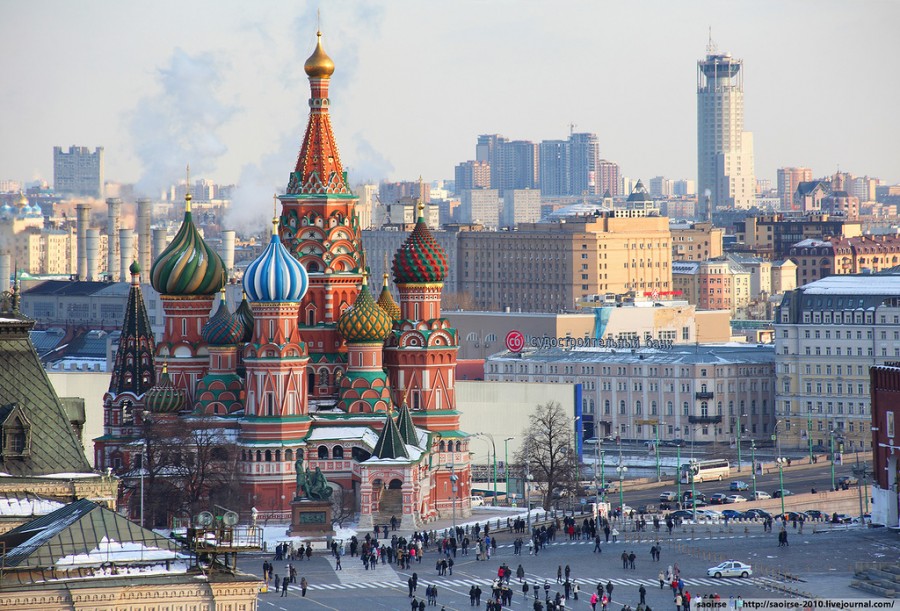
(572, 127)
(711, 47)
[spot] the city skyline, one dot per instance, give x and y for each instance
(188, 84)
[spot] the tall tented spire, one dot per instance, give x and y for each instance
(318, 170)
(390, 442)
(134, 369)
(405, 426)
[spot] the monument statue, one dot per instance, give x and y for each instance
(312, 486)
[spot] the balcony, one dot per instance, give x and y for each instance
(704, 419)
(703, 395)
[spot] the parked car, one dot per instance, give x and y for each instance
(682, 514)
(739, 486)
(735, 498)
(668, 496)
(841, 518)
(730, 568)
(815, 514)
(732, 514)
(780, 493)
(476, 500)
(761, 496)
(672, 443)
(848, 479)
(757, 513)
(718, 498)
(711, 514)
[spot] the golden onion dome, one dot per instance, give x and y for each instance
(319, 65)
(386, 301)
(365, 322)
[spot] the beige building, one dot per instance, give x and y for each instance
(549, 266)
(696, 241)
(695, 392)
(520, 206)
(715, 284)
(484, 333)
(772, 236)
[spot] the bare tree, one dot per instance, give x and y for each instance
(548, 452)
(343, 505)
(453, 300)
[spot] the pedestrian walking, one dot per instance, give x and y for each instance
(594, 600)
(662, 580)
(337, 563)
(643, 593)
(284, 585)
(303, 585)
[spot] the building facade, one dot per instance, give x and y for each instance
(772, 236)
(885, 380)
(696, 241)
(698, 393)
(548, 266)
(724, 149)
(788, 181)
(78, 171)
(829, 333)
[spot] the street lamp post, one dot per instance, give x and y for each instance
(691, 471)
(490, 438)
(678, 473)
(621, 470)
(658, 471)
(528, 478)
(831, 434)
(603, 473)
(809, 433)
(739, 435)
(453, 489)
(506, 465)
(780, 462)
(753, 466)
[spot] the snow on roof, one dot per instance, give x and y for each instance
(414, 455)
(861, 284)
(27, 507)
(109, 550)
(348, 433)
(69, 475)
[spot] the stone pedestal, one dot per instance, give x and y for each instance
(310, 518)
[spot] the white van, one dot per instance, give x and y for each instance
(476, 500)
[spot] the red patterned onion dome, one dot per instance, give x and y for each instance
(421, 259)
(164, 398)
(224, 328)
(365, 322)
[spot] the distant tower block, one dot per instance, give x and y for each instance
(126, 248)
(160, 239)
(145, 244)
(228, 251)
(92, 247)
(83, 221)
(114, 217)
(5, 272)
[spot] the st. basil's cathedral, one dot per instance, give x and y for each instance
(310, 365)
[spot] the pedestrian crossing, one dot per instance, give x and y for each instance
(638, 541)
(486, 583)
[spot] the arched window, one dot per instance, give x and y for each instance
(441, 446)
(268, 455)
(653, 408)
(259, 456)
(704, 409)
(337, 452)
(289, 455)
(670, 409)
(622, 406)
(323, 452)
(323, 377)
(277, 455)
(638, 409)
(606, 407)
(458, 446)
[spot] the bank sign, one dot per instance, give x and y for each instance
(516, 342)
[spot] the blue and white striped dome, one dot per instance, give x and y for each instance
(275, 275)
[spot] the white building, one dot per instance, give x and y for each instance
(521, 206)
(480, 206)
(827, 335)
(693, 392)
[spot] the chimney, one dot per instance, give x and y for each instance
(228, 251)
(126, 249)
(114, 212)
(83, 221)
(160, 239)
(144, 220)
(92, 250)
(5, 271)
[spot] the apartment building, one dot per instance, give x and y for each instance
(828, 334)
(696, 241)
(700, 392)
(546, 267)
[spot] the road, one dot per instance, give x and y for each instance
(795, 479)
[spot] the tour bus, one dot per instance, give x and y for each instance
(705, 470)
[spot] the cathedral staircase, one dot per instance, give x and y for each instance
(879, 578)
(391, 505)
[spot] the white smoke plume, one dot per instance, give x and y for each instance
(180, 124)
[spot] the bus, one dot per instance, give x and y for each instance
(705, 470)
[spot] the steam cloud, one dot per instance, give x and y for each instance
(179, 125)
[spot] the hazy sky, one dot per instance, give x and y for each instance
(221, 84)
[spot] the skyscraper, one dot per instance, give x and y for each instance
(554, 168)
(585, 160)
(724, 149)
(79, 172)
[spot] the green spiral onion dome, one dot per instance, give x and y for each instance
(223, 328)
(134, 268)
(387, 303)
(164, 398)
(365, 322)
(188, 266)
(421, 259)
